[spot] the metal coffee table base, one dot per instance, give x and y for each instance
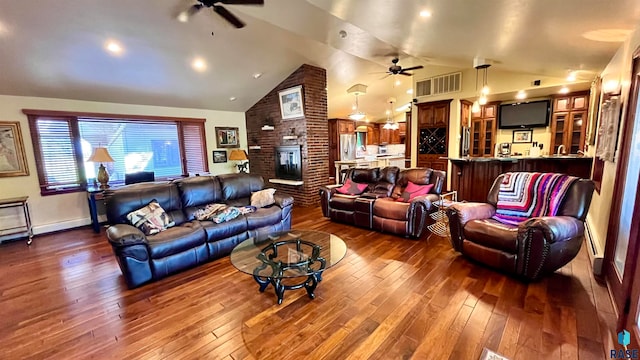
(310, 284)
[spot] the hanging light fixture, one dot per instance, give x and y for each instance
(357, 89)
(481, 64)
(391, 124)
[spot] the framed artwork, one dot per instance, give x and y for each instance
(522, 136)
(13, 161)
(219, 156)
(291, 103)
(227, 137)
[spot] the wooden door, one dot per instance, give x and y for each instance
(622, 244)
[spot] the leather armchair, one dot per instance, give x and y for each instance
(408, 218)
(534, 248)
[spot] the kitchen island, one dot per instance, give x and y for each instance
(472, 177)
(369, 162)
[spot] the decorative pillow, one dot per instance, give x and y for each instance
(352, 188)
(151, 219)
(227, 214)
(413, 190)
(263, 198)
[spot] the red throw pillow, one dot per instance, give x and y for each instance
(412, 190)
(352, 188)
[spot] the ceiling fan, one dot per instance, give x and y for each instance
(217, 7)
(396, 69)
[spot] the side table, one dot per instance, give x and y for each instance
(440, 226)
(22, 202)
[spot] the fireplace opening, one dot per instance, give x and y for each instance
(289, 162)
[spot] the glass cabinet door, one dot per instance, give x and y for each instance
(488, 137)
(576, 138)
(560, 121)
(475, 137)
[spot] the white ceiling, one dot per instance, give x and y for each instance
(54, 48)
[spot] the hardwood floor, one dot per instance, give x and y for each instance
(389, 298)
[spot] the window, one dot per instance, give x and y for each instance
(169, 147)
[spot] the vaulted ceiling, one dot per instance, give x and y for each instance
(56, 48)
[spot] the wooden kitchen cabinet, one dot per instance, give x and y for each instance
(568, 122)
(433, 134)
(385, 135)
(483, 131)
(346, 126)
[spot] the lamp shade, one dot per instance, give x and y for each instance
(101, 155)
(238, 155)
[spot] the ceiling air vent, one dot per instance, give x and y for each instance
(423, 88)
(441, 84)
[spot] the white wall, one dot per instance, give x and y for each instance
(618, 70)
(56, 212)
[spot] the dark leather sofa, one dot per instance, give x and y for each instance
(377, 207)
(190, 242)
(535, 248)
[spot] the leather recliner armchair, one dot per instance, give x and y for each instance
(534, 248)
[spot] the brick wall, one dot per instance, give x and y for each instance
(312, 132)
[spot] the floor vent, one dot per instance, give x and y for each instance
(441, 84)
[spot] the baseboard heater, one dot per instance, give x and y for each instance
(596, 253)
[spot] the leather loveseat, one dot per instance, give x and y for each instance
(530, 250)
(144, 258)
(377, 207)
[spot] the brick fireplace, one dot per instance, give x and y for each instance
(310, 133)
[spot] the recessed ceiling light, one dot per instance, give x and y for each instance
(564, 90)
(198, 64)
(410, 91)
(233, 98)
(571, 76)
(113, 47)
(521, 95)
(425, 13)
(607, 35)
(257, 75)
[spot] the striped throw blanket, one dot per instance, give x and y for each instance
(525, 195)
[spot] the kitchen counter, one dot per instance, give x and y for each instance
(472, 177)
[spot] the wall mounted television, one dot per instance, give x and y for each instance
(524, 115)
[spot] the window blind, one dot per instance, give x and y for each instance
(62, 146)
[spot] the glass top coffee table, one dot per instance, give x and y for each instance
(301, 254)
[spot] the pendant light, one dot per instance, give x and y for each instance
(357, 89)
(391, 124)
(481, 64)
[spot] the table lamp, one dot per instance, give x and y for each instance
(240, 156)
(101, 155)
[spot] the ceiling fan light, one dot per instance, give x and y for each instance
(183, 16)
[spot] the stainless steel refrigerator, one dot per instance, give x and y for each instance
(347, 147)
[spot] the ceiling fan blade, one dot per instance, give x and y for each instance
(386, 76)
(228, 16)
(242, 2)
(404, 73)
(413, 68)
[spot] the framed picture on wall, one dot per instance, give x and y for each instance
(13, 161)
(522, 136)
(219, 156)
(227, 137)
(291, 103)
